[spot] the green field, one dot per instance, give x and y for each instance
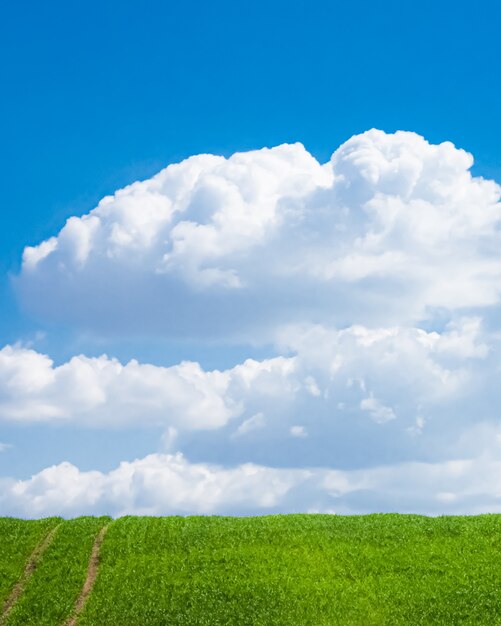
(276, 570)
(18, 539)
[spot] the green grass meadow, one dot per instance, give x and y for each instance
(52, 590)
(274, 570)
(18, 539)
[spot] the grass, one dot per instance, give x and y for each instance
(18, 539)
(278, 570)
(298, 570)
(51, 592)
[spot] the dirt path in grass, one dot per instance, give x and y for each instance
(89, 581)
(30, 567)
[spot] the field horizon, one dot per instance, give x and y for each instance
(313, 568)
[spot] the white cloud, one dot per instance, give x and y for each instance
(103, 392)
(374, 388)
(298, 431)
(255, 422)
(391, 230)
(379, 412)
(376, 280)
(170, 484)
(157, 483)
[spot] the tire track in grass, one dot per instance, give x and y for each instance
(31, 566)
(92, 570)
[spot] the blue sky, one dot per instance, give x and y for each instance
(99, 95)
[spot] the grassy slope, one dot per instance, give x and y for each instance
(51, 592)
(18, 539)
(299, 570)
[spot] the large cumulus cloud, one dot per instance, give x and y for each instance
(374, 280)
(392, 230)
